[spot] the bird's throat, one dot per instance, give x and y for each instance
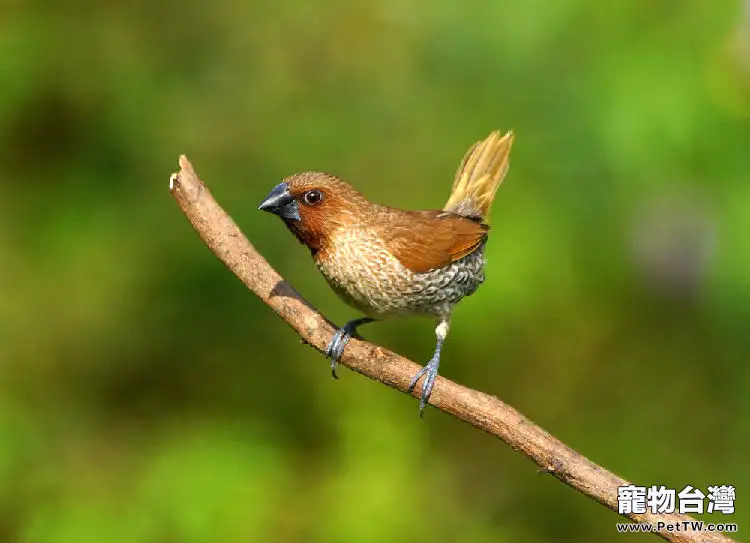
(313, 239)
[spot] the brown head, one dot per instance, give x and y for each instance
(314, 205)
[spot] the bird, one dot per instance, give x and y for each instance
(387, 262)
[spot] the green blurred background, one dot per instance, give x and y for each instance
(147, 396)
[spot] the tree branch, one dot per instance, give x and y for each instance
(480, 410)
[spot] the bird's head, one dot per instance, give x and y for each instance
(314, 206)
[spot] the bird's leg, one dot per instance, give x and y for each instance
(342, 336)
(430, 371)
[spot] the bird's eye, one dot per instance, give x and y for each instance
(313, 197)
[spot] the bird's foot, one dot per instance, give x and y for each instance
(342, 336)
(336, 346)
(430, 373)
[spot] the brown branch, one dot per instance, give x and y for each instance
(480, 410)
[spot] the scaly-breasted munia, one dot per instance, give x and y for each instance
(385, 261)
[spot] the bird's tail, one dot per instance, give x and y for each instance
(479, 175)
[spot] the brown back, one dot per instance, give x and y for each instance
(426, 240)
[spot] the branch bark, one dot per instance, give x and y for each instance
(480, 410)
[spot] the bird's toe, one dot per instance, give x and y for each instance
(430, 373)
(416, 378)
(339, 340)
(336, 348)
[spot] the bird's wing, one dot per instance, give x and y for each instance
(428, 240)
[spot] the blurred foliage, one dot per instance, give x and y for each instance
(146, 396)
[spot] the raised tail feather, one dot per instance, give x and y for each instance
(479, 175)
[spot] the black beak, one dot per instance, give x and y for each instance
(281, 203)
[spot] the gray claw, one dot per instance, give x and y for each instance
(336, 348)
(430, 371)
(339, 340)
